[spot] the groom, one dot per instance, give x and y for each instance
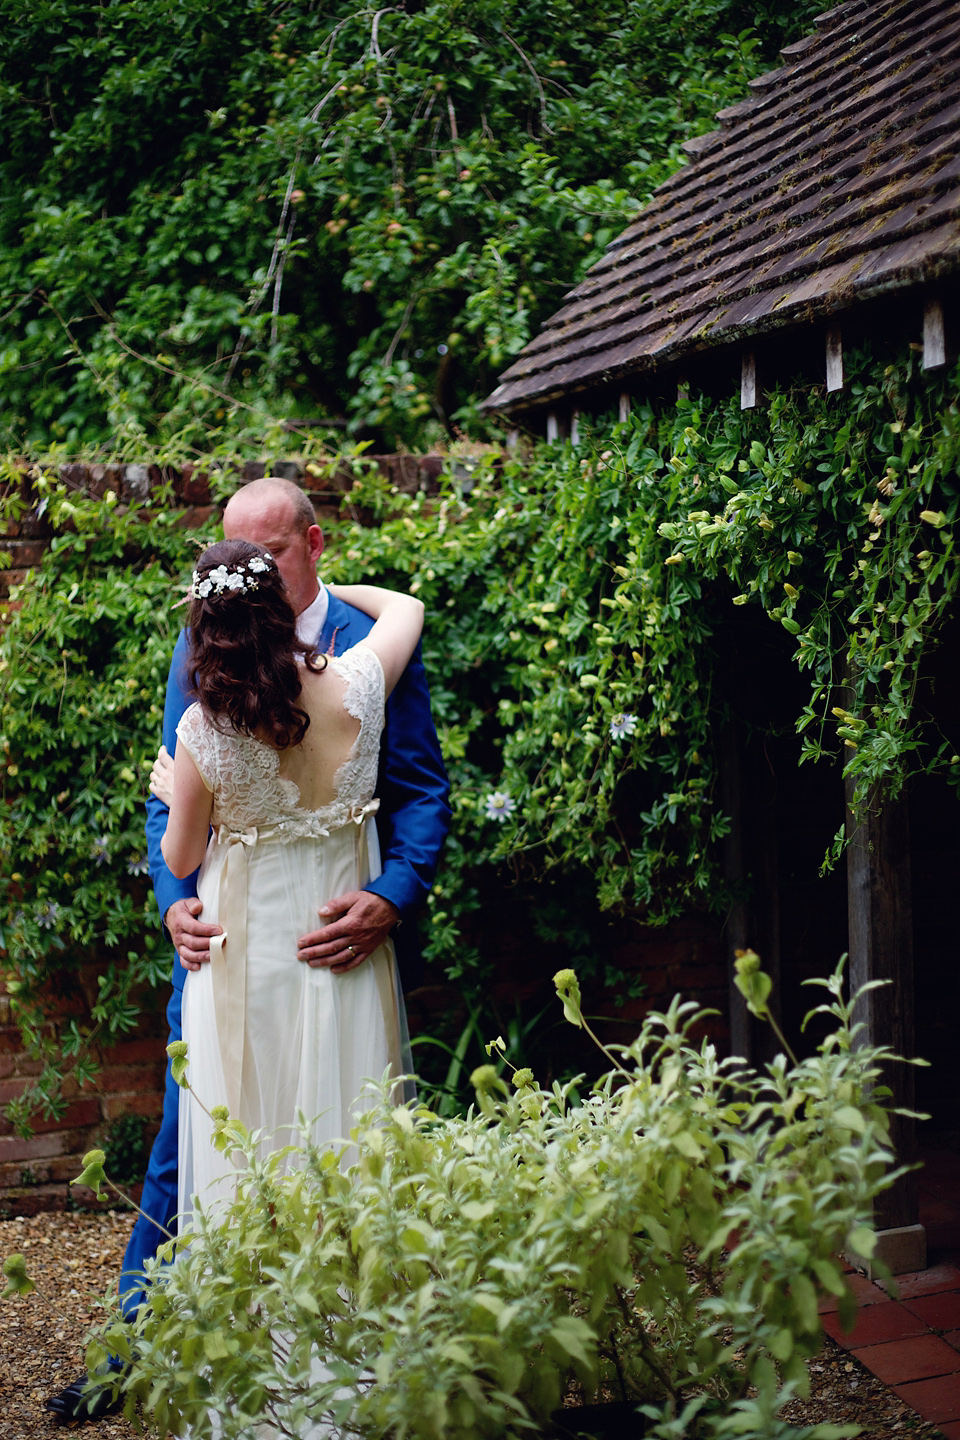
(412, 824)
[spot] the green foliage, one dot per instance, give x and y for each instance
(574, 599)
(127, 1148)
(460, 1272)
(83, 665)
(826, 520)
(329, 210)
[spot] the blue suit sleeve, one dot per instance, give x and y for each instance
(166, 887)
(414, 814)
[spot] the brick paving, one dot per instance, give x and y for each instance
(907, 1331)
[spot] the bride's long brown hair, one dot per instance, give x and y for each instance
(244, 647)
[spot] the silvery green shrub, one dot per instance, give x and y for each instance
(663, 1239)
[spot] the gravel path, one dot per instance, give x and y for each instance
(74, 1259)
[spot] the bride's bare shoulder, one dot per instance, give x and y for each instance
(323, 685)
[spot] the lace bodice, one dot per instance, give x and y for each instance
(243, 773)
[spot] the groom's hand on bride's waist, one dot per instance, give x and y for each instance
(190, 935)
(358, 922)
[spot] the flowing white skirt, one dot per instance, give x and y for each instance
(268, 1035)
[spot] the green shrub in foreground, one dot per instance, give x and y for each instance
(664, 1239)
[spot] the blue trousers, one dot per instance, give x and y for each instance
(159, 1200)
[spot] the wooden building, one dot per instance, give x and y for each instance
(824, 210)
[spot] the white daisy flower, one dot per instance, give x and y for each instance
(499, 805)
(622, 724)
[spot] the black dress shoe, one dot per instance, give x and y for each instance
(77, 1402)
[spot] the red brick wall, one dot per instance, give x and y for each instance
(25, 541)
(36, 1172)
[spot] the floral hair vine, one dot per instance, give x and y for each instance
(237, 581)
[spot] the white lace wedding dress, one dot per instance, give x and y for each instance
(268, 1035)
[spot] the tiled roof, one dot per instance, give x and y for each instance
(836, 180)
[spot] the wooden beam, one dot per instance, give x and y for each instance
(834, 359)
(934, 335)
(735, 928)
(751, 868)
(553, 428)
(623, 409)
(748, 381)
(880, 921)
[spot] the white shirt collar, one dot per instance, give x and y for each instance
(312, 620)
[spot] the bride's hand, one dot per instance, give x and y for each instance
(161, 776)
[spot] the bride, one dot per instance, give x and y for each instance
(279, 756)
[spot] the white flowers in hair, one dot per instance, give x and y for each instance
(222, 581)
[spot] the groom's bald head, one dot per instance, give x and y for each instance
(277, 514)
(274, 492)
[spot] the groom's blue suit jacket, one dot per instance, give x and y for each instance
(412, 786)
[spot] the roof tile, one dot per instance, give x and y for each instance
(838, 177)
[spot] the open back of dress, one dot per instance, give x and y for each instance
(268, 1035)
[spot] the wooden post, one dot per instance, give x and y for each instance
(575, 428)
(751, 868)
(934, 335)
(881, 948)
(748, 381)
(553, 428)
(834, 359)
(735, 929)
(623, 410)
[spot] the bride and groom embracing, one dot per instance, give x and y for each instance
(296, 714)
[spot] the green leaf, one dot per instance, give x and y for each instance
(479, 1209)
(781, 1346)
(18, 1281)
(177, 1053)
(92, 1173)
(754, 985)
(853, 1119)
(862, 1241)
(574, 1337)
(805, 1300)
(829, 1276)
(216, 1345)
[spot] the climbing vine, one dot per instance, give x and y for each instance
(83, 662)
(176, 178)
(575, 596)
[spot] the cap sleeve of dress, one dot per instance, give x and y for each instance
(364, 697)
(199, 738)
